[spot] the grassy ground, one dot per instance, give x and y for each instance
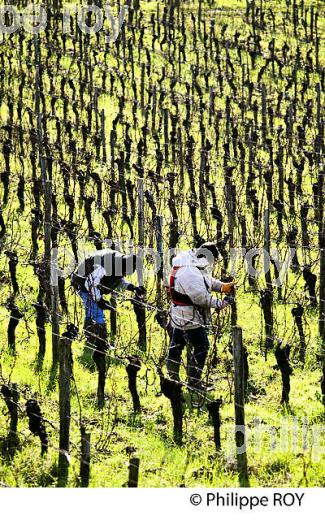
(115, 431)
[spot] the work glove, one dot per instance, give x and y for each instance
(139, 291)
(105, 305)
(228, 287)
(229, 299)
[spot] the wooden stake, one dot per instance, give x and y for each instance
(240, 406)
(12, 436)
(103, 135)
(321, 235)
(65, 410)
(264, 110)
(140, 212)
(140, 226)
(154, 108)
(214, 412)
(84, 458)
(267, 265)
(40, 326)
(159, 242)
(166, 137)
(51, 291)
(55, 323)
(133, 472)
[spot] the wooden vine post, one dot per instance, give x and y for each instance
(159, 253)
(267, 301)
(65, 409)
(84, 457)
(321, 231)
(133, 472)
(321, 216)
(102, 118)
(321, 239)
(240, 435)
(52, 294)
(140, 227)
(214, 412)
(138, 302)
(42, 163)
(230, 198)
(11, 397)
(41, 317)
(55, 317)
(12, 436)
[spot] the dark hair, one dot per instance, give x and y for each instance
(207, 246)
(129, 264)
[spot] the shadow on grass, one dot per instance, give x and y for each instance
(86, 359)
(135, 420)
(37, 364)
(287, 409)
(52, 378)
(48, 478)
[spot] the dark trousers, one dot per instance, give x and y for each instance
(198, 341)
(96, 338)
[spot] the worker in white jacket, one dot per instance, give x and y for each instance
(190, 289)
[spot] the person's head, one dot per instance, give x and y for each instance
(129, 264)
(207, 254)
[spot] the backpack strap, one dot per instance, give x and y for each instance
(176, 297)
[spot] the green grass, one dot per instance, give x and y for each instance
(150, 434)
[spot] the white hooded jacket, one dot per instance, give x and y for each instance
(192, 280)
(103, 266)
